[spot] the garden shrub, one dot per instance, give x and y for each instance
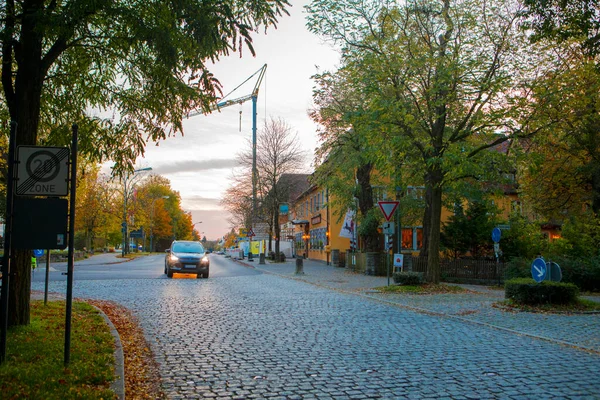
(517, 267)
(408, 278)
(528, 291)
(585, 273)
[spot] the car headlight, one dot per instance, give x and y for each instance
(173, 257)
(204, 260)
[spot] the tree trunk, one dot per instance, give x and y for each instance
(24, 108)
(365, 202)
(596, 191)
(434, 181)
(277, 232)
(20, 288)
(426, 222)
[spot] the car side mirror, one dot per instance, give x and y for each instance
(167, 250)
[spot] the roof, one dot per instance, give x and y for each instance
(296, 184)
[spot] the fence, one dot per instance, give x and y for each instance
(464, 270)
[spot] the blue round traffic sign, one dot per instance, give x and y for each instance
(38, 253)
(496, 235)
(538, 270)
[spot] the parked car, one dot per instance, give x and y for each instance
(188, 257)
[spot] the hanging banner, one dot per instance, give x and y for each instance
(348, 226)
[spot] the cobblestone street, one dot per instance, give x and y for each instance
(266, 336)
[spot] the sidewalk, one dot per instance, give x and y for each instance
(475, 307)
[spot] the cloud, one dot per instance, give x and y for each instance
(194, 166)
(201, 203)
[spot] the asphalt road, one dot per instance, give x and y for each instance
(243, 334)
(107, 266)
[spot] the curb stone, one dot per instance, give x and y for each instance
(118, 385)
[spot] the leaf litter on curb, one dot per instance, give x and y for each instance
(142, 379)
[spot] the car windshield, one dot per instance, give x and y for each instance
(188, 247)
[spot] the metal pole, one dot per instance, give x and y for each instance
(47, 276)
(124, 224)
(387, 257)
(71, 253)
(254, 171)
(7, 240)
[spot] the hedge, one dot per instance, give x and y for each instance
(408, 278)
(528, 291)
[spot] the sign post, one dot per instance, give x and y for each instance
(388, 208)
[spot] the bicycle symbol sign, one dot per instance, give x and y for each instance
(43, 171)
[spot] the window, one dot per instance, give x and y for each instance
(407, 238)
(515, 206)
(416, 192)
(412, 238)
(379, 193)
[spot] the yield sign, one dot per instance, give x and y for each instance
(388, 208)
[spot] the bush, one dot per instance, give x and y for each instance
(408, 278)
(281, 257)
(517, 267)
(528, 291)
(585, 273)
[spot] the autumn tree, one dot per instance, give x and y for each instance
(158, 211)
(565, 21)
(237, 199)
(444, 78)
(346, 159)
(278, 152)
(95, 205)
(146, 62)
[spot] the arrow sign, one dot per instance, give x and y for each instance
(388, 208)
(538, 270)
(496, 233)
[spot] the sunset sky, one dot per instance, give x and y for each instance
(200, 164)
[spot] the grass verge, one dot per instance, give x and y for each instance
(580, 306)
(34, 366)
(427, 288)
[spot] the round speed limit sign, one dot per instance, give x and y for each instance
(42, 171)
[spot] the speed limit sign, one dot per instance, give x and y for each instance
(42, 171)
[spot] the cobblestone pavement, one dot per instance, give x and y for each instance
(266, 337)
(579, 330)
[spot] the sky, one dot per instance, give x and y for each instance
(200, 164)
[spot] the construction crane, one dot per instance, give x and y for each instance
(240, 100)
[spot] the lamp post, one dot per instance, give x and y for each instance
(128, 184)
(152, 221)
(194, 224)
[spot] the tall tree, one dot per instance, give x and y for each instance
(565, 20)
(444, 78)
(278, 152)
(346, 158)
(144, 60)
(94, 206)
(561, 175)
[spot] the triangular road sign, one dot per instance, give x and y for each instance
(388, 208)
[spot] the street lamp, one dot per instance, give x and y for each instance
(126, 194)
(152, 222)
(194, 224)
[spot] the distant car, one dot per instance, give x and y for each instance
(187, 257)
